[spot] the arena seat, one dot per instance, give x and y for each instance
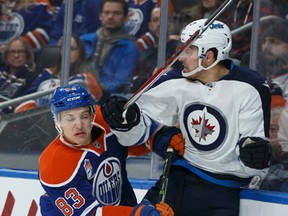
(46, 57)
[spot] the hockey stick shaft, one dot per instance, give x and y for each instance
(165, 175)
(177, 54)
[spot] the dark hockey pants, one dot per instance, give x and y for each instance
(190, 195)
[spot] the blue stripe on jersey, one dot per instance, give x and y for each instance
(225, 183)
(153, 129)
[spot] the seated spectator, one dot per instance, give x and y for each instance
(148, 47)
(277, 106)
(111, 50)
(85, 19)
(274, 47)
(139, 16)
(201, 10)
(55, 4)
(277, 177)
(239, 14)
(18, 73)
(50, 77)
(31, 19)
(280, 8)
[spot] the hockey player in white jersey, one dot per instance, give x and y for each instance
(223, 111)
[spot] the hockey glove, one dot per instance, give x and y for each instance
(255, 152)
(145, 208)
(165, 209)
(177, 142)
(112, 111)
(168, 136)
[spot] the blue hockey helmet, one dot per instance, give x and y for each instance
(70, 97)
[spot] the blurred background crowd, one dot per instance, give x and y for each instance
(114, 50)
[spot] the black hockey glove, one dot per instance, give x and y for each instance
(112, 111)
(255, 152)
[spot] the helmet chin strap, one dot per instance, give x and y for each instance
(58, 128)
(94, 117)
(199, 68)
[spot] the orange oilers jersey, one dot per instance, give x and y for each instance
(81, 180)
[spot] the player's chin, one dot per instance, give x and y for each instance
(80, 138)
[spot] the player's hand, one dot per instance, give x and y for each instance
(145, 208)
(177, 142)
(113, 109)
(165, 209)
(168, 136)
(255, 152)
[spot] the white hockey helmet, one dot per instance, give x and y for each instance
(217, 35)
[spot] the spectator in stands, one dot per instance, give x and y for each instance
(280, 8)
(148, 50)
(50, 77)
(277, 105)
(203, 9)
(18, 73)
(31, 19)
(111, 50)
(277, 177)
(239, 14)
(275, 54)
(85, 19)
(139, 16)
(55, 4)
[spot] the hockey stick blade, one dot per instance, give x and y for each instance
(165, 174)
(176, 55)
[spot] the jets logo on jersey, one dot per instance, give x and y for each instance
(205, 126)
(107, 182)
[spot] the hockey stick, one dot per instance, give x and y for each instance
(165, 174)
(177, 54)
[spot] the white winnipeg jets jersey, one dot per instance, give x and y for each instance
(212, 117)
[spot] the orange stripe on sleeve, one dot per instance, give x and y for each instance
(39, 37)
(30, 41)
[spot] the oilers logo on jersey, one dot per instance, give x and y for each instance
(11, 26)
(107, 182)
(134, 22)
(205, 125)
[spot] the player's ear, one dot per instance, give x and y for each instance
(210, 55)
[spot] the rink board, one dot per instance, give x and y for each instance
(20, 191)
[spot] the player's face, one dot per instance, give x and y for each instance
(112, 16)
(76, 125)
(189, 59)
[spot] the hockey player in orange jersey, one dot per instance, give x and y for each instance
(83, 170)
